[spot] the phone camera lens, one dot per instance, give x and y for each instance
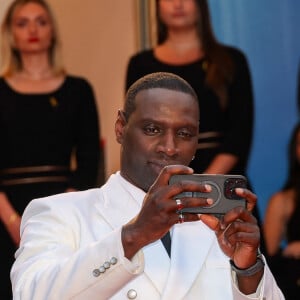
(229, 187)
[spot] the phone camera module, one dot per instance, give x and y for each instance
(230, 185)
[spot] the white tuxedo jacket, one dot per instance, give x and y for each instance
(66, 237)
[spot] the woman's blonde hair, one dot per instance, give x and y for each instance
(11, 60)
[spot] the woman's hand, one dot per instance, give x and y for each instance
(292, 250)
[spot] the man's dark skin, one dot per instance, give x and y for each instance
(157, 141)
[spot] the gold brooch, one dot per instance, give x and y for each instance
(53, 101)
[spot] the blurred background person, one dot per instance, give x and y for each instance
(220, 76)
(282, 225)
(48, 122)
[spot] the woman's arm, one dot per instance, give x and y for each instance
(10, 218)
(275, 222)
(87, 152)
(222, 164)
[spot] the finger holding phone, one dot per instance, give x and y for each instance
(229, 215)
(239, 236)
(160, 211)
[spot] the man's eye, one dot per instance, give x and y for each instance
(151, 130)
(185, 134)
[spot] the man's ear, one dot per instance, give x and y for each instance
(120, 126)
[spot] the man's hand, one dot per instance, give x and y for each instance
(239, 237)
(159, 211)
(237, 232)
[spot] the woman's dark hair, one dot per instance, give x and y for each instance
(219, 65)
(293, 180)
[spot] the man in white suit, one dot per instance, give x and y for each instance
(106, 243)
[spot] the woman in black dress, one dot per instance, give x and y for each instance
(219, 75)
(282, 226)
(48, 123)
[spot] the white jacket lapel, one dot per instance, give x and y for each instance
(118, 205)
(117, 208)
(157, 264)
(190, 245)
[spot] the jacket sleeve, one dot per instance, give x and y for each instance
(51, 264)
(132, 73)
(87, 140)
(138, 66)
(267, 289)
(239, 114)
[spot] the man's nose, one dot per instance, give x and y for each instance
(168, 145)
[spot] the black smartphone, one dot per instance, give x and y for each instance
(222, 193)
